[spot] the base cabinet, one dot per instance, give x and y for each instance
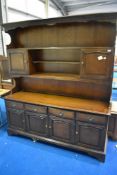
(90, 135)
(36, 123)
(64, 129)
(16, 119)
(61, 129)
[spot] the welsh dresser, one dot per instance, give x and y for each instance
(62, 73)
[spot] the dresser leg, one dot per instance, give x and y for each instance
(100, 157)
(11, 132)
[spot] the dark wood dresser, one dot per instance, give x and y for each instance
(62, 72)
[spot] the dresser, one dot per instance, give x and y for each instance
(62, 73)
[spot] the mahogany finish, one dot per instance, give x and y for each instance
(62, 71)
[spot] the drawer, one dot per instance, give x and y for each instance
(61, 113)
(36, 108)
(91, 118)
(16, 111)
(13, 104)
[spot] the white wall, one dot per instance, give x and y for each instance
(28, 9)
(53, 13)
(98, 8)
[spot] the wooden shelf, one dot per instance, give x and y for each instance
(50, 48)
(64, 47)
(69, 103)
(57, 62)
(57, 76)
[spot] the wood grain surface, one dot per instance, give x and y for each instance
(61, 102)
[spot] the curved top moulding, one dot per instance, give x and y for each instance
(112, 17)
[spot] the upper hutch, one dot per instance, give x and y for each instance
(62, 71)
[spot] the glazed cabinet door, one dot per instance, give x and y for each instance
(90, 135)
(36, 123)
(18, 61)
(97, 64)
(16, 119)
(61, 129)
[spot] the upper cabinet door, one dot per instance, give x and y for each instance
(97, 64)
(18, 61)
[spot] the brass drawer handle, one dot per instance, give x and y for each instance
(35, 109)
(60, 114)
(91, 119)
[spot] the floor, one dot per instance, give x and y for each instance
(22, 156)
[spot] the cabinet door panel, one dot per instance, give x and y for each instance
(89, 135)
(36, 123)
(18, 61)
(96, 64)
(61, 129)
(16, 119)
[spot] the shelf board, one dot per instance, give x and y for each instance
(70, 103)
(67, 47)
(56, 76)
(57, 62)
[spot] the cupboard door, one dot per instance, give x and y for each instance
(61, 129)
(18, 61)
(96, 64)
(90, 136)
(16, 119)
(36, 123)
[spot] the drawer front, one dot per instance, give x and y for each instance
(16, 105)
(36, 108)
(91, 118)
(61, 113)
